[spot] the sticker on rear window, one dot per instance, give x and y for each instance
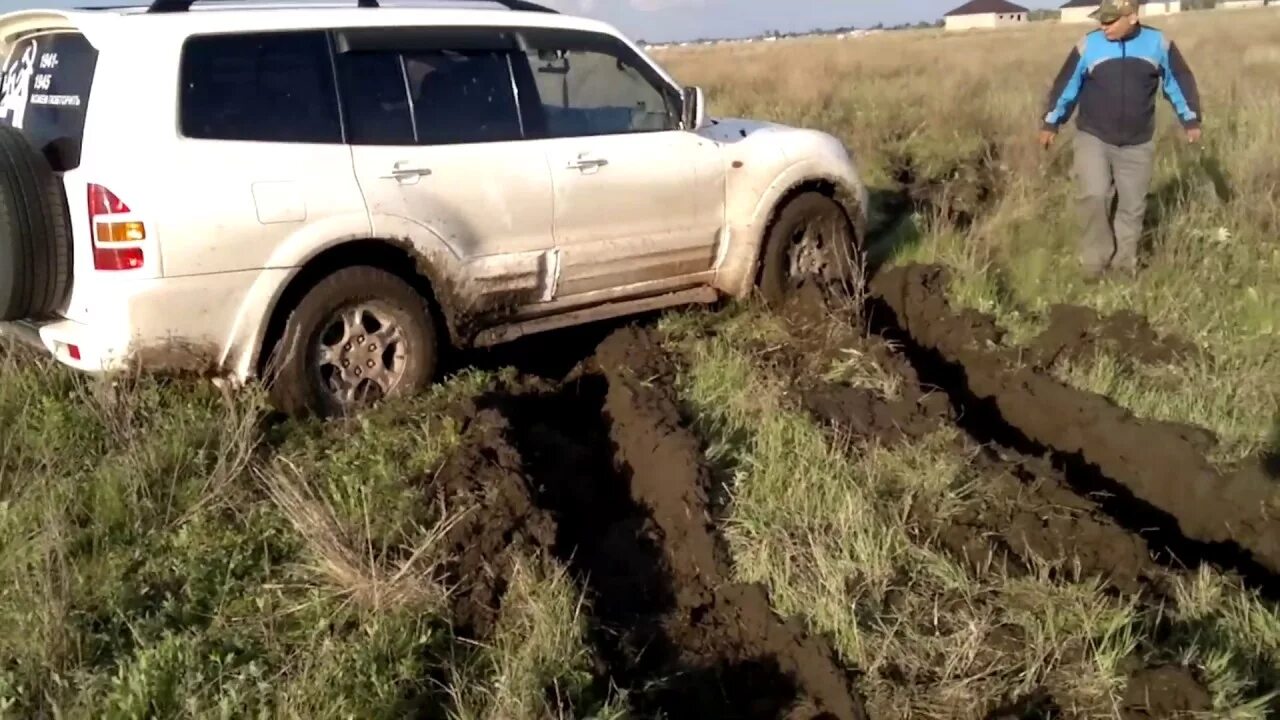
(44, 89)
(17, 84)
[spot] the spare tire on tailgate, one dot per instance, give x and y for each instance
(35, 232)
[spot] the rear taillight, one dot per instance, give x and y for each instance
(115, 233)
(117, 258)
(104, 202)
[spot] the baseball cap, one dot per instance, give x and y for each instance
(1111, 10)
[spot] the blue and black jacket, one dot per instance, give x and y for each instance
(1115, 83)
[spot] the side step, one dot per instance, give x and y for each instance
(506, 333)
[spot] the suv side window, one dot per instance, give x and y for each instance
(594, 85)
(267, 87)
(429, 97)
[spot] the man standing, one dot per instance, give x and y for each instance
(1113, 74)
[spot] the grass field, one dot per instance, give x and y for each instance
(167, 550)
(960, 113)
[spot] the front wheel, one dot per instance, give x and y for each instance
(811, 243)
(359, 336)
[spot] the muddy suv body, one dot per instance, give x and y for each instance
(326, 196)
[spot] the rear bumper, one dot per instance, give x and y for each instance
(184, 324)
(69, 342)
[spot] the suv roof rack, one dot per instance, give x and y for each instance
(168, 6)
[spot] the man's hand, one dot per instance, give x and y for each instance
(1193, 135)
(1046, 138)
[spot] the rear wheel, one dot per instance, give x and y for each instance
(359, 336)
(35, 233)
(811, 243)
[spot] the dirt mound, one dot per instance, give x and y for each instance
(1169, 691)
(1030, 514)
(1077, 333)
(500, 522)
(867, 413)
(599, 471)
(1155, 472)
(957, 190)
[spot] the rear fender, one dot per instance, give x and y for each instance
(433, 259)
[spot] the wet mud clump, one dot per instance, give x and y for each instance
(599, 471)
(1169, 691)
(1155, 473)
(499, 522)
(1080, 333)
(1029, 514)
(866, 413)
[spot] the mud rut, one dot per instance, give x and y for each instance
(597, 468)
(1151, 477)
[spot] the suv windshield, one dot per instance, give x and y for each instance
(45, 92)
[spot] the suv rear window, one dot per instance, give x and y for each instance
(267, 87)
(45, 92)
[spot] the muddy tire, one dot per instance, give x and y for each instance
(359, 336)
(811, 242)
(35, 232)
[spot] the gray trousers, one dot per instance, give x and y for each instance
(1101, 171)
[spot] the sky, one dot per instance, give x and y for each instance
(667, 20)
(664, 20)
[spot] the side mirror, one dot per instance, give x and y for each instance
(694, 109)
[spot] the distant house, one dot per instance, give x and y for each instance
(1078, 11)
(1160, 8)
(986, 14)
(1240, 4)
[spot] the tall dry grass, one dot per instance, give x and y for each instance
(956, 116)
(166, 552)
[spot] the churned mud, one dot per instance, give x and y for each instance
(499, 522)
(1027, 512)
(599, 471)
(1168, 691)
(1078, 333)
(712, 614)
(1151, 476)
(597, 468)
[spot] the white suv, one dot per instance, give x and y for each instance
(323, 196)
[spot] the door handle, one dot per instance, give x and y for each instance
(585, 163)
(403, 171)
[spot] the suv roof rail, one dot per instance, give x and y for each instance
(168, 6)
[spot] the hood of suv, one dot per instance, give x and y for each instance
(729, 130)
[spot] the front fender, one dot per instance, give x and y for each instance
(737, 273)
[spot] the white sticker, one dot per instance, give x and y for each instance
(17, 86)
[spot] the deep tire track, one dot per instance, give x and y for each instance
(1026, 511)
(1150, 476)
(599, 471)
(668, 477)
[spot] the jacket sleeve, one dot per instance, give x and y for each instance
(1180, 87)
(1065, 90)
